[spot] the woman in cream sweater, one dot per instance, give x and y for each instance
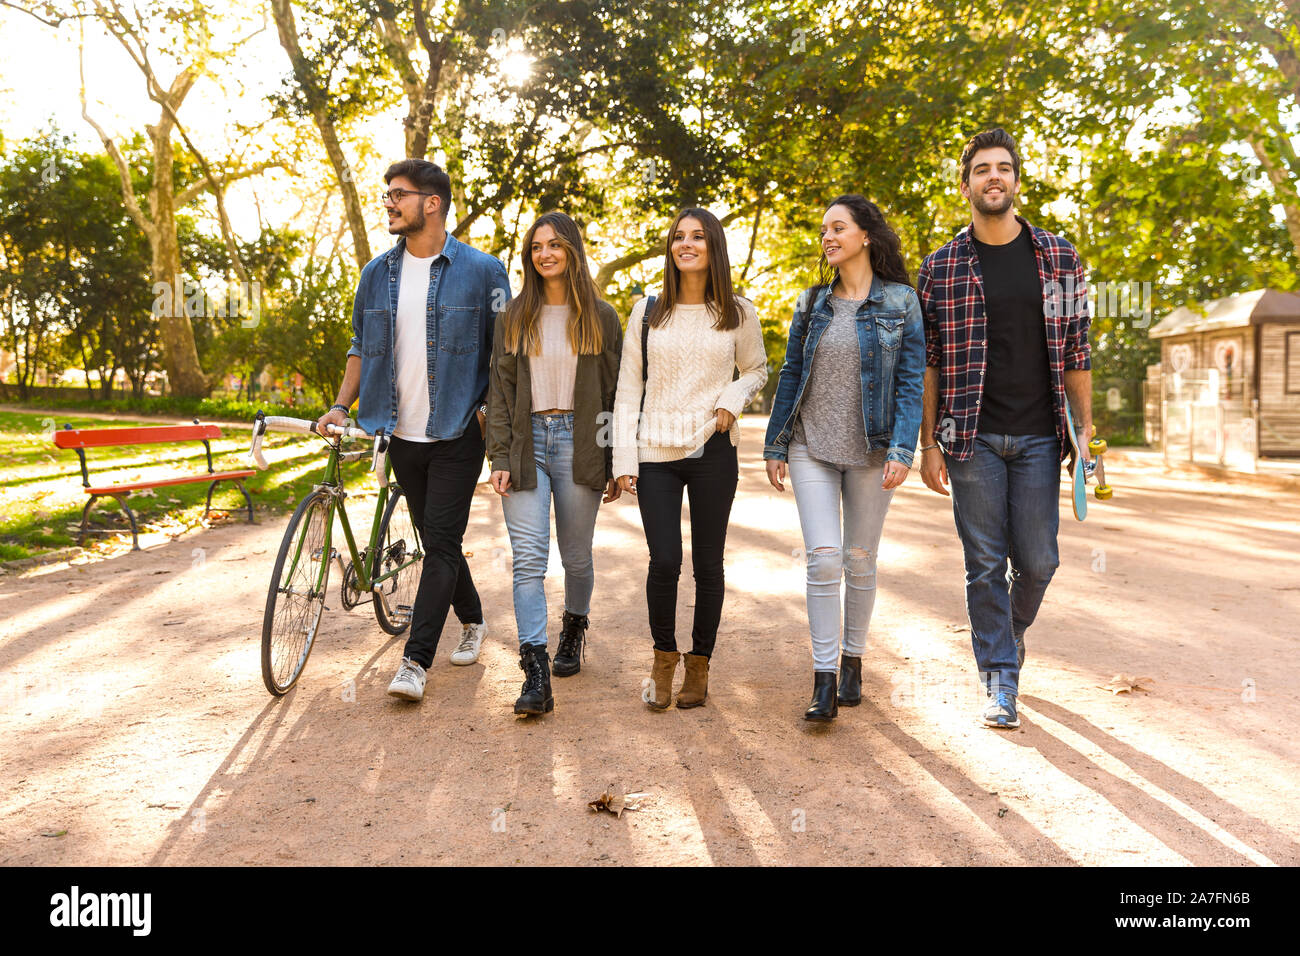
(675, 431)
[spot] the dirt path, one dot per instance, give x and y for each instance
(137, 729)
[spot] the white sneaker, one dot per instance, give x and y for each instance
(471, 642)
(409, 682)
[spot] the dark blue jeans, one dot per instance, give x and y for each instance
(1005, 501)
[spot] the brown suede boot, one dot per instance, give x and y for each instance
(696, 686)
(660, 692)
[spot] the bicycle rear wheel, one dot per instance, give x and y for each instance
(297, 594)
(400, 551)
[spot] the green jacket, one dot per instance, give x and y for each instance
(510, 408)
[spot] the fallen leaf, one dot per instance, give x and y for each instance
(611, 801)
(958, 627)
(55, 833)
(1126, 683)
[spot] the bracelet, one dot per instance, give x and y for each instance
(343, 408)
(928, 447)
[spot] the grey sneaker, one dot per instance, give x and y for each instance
(471, 642)
(409, 682)
(1000, 711)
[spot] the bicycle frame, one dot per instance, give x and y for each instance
(332, 485)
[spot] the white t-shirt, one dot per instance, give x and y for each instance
(410, 350)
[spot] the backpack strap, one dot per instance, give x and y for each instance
(645, 345)
(811, 300)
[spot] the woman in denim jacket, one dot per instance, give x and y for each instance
(845, 418)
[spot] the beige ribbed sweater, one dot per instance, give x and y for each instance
(691, 367)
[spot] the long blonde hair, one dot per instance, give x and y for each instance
(522, 327)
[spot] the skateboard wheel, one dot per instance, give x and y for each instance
(1097, 447)
(1103, 492)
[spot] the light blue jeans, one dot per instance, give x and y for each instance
(528, 520)
(832, 555)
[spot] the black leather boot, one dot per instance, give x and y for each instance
(573, 644)
(535, 698)
(850, 694)
(823, 706)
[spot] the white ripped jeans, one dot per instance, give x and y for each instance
(833, 553)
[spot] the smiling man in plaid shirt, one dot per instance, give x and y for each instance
(1006, 332)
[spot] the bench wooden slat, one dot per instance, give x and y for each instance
(159, 482)
(143, 435)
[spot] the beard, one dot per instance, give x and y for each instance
(408, 225)
(986, 206)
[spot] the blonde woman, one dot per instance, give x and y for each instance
(555, 362)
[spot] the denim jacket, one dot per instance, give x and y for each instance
(891, 341)
(470, 289)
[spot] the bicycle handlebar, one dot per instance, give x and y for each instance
(262, 423)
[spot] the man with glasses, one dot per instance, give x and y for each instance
(422, 327)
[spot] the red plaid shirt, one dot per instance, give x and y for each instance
(951, 289)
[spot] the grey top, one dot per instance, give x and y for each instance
(830, 415)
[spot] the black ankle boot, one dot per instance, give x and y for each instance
(573, 644)
(850, 694)
(535, 698)
(823, 705)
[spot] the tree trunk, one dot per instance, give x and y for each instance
(302, 71)
(180, 356)
(1284, 188)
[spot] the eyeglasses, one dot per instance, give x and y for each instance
(393, 196)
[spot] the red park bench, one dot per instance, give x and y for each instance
(79, 439)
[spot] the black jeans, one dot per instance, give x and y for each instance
(438, 479)
(710, 484)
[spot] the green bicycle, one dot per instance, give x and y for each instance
(386, 572)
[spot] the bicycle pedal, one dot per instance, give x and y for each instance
(403, 615)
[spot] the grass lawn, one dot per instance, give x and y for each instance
(41, 494)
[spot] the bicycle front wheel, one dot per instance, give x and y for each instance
(297, 594)
(400, 556)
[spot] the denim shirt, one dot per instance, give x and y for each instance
(891, 342)
(468, 290)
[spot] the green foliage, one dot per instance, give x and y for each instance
(173, 406)
(307, 327)
(1158, 138)
(73, 268)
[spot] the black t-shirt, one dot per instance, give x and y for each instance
(1017, 397)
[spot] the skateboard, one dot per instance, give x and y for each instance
(1081, 468)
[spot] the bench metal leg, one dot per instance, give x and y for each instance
(239, 482)
(121, 500)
